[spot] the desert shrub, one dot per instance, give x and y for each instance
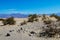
(4, 22)
(50, 31)
(56, 16)
(23, 23)
(1, 19)
(44, 16)
(58, 19)
(32, 17)
(9, 21)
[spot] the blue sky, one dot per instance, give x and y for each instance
(29, 6)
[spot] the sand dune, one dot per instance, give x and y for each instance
(17, 34)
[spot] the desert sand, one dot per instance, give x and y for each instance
(17, 34)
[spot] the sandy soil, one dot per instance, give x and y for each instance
(18, 34)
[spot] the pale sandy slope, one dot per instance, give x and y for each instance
(22, 34)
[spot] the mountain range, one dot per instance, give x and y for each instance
(17, 15)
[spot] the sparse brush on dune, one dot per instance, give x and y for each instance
(44, 17)
(23, 23)
(32, 17)
(56, 16)
(9, 21)
(51, 30)
(1, 19)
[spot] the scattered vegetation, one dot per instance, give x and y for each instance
(32, 17)
(50, 31)
(9, 21)
(1, 19)
(44, 17)
(4, 22)
(30, 20)
(56, 16)
(24, 22)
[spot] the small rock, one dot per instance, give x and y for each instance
(11, 30)
(18, 31)
(21, 28)
(32, 32)
(29, 34)
(7, 35)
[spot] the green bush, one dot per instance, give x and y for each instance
(44, 16)
(9, 21)
(1, 19)
(32, 17)
(54, 15)
(51, 32)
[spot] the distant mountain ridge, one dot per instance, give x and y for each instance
(52, 13)
(17, 15)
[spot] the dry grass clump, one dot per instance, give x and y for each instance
(56, 16)
(50, 31)
(44, 17)
(32, 17)
(9, 21)
(23, 23)
(46, 20)
(1, 19)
